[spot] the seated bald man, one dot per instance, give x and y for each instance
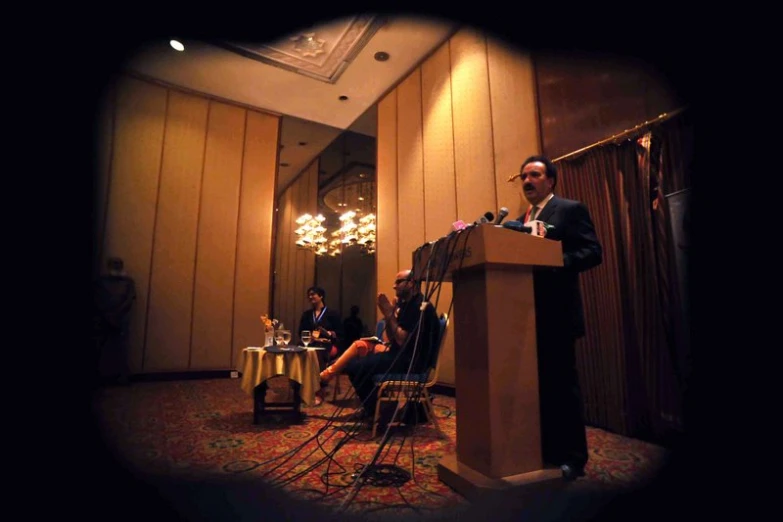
(412, 334)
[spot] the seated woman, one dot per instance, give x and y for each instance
(358, 348)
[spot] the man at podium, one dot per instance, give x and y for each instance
(559, 314)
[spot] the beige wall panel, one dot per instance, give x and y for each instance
(305, 201)
(514, 120)
(473, 149)
(278, 261)
(308, 276)
(213, 301)
(104, 137)
(287, 247)
(174, 249)
(410, 168)
(387, 252)
(133, 194)
(253, 281)
(440, 207)
(440, 201)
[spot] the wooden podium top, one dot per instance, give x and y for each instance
(483, 245)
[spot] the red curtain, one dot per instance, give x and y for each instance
(634, 360)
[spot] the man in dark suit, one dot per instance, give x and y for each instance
(559, 314)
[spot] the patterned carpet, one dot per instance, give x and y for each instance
(194, 443)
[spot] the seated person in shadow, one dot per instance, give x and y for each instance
(114, 294)
(412, 333)
(353, 327)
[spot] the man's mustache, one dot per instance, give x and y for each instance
(528, 186)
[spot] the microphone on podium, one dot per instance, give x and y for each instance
(502, 213)
(518, 226)
(486, 218)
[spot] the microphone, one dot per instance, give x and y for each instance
(518, 226)
(486, 218)
(502, 213)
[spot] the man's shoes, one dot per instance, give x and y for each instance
(571, 472)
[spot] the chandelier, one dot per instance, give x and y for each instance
(310, 234)
(350, 233)
(349, 193)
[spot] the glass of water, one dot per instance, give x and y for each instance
(286, 337)
(306, 337)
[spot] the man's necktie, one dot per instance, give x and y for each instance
(533, 212)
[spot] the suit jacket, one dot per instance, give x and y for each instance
(557, 293)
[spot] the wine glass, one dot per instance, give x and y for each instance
(286, 337)
(279, 337)
(306, 337)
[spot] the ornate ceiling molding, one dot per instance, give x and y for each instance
(321, 52)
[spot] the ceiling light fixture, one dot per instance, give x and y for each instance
(176, 44)
(381, 56)
(343, 97)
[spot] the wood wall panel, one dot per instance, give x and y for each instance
(104, 140)
(217, 238)
(300, 281)
(151, 153)
(478, 119)
(252, 293)
(473, 146)
(440, 208)
(387, 253)
(133, 194)
(512, 92)
(309, 276)
(173, 268)
(410, 168)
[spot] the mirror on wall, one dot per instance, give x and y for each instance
(346, 163)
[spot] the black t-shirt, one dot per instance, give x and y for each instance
(411, 319)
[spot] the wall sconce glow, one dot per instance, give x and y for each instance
(177, 45)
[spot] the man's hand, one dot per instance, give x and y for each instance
(384, 305)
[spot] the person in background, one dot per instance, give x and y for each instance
(559, 314)
(327, 330)
(353, 327)
(114, 293)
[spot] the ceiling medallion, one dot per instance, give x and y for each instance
(323, 57)
(308, 45)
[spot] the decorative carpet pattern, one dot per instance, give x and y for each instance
(199, 430)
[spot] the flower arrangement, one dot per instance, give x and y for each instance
(268, 322)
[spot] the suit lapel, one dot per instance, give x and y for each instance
(549, 210)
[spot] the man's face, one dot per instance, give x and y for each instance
(536, 185)
(314, 298)
(402, 286)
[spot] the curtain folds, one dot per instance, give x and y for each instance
(634, 359)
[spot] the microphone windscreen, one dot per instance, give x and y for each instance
(517, 225)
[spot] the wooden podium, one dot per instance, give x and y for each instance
(496, 367)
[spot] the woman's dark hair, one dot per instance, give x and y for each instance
(317, 290)
(551, 170)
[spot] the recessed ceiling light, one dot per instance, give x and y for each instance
(285, 165)
(343, 97)
(176, 44)
(381, 56)
(302, 143)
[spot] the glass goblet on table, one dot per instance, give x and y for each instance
(279, 337)
(306, 337)
(286, 337)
